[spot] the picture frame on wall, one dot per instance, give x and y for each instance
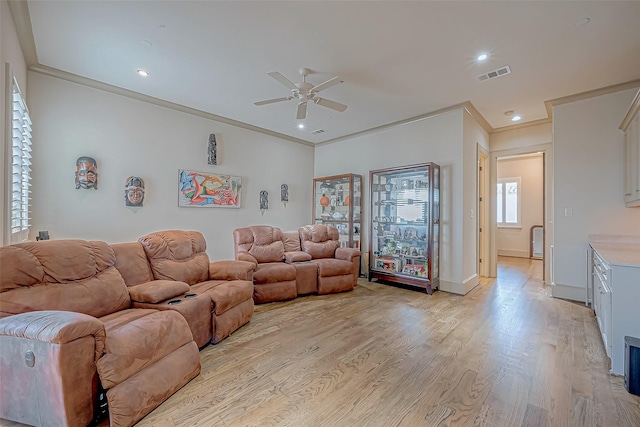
(203, 189)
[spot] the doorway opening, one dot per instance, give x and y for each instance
(520, 208)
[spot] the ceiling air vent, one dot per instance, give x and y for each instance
(317, 131)
(495, 73)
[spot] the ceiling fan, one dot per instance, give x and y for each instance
(305, 92)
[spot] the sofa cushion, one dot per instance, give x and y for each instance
(291, 240)
(157, 290)
(274, 272)
(71, 275)
(319, 241)
(177, 255)
(131, 262)
(136, 339)
(225, 295)
(333, 267)
(263, 242)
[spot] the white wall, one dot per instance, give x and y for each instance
(588, 179)
(437, 139)
(530, 169)
(522, 137)
(10, 53)
(130, 137)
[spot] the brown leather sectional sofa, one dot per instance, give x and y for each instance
(292, 263)
(130, 317)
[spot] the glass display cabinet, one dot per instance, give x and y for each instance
(337, 201)
(405, 225)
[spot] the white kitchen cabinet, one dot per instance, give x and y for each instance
(616, 297)
(631, 128)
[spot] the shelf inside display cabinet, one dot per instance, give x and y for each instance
(337, 202)
(405, 226)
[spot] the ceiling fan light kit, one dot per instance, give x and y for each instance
(305, 92)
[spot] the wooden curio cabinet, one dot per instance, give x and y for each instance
(337, 201)
(404, 244)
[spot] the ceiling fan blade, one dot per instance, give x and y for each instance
(331, 82)
(282, 79)
(330, 104)
(302, 111)
(271, 101)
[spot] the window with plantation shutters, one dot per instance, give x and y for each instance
(21, 167)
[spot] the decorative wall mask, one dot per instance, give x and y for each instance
(284, 194)
(264, 201)
(134, 191)
(212, 150)
(86, 173)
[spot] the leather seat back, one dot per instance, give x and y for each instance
(263, 242)
(177, 255)
(319, 241)
(69, 275)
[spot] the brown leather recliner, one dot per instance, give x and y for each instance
(67, 324)
(337, 267)
(274, 280)
(178, 255)
(291, 263)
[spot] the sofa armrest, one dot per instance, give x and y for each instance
(347, 254)
(157, 290)
(296, 256)
(55, 327)
(232, 270)
(248, 258)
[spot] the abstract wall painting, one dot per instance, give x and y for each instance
(202, 189)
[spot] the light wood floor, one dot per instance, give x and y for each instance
(506, 354)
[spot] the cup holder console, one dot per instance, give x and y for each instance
(191, 295)
(175, 301)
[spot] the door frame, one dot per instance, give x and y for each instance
(482, 205)
(547, 155)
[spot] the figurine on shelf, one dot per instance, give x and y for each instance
(324, 201)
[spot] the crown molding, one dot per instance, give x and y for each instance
(462, 106)
(522, 125)
(74, 78)
(633, 109)
(22, 20)
(593, 93)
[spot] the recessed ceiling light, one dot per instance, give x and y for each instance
(515, 118)
(301, 126)
(143, 73)
(146, 43)
(583, 21)
(482, 57)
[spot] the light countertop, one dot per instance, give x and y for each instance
(617, 250)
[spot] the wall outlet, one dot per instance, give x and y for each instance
(568, 212)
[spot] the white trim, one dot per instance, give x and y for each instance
(572, 293)
(460, 288)
(513, 253)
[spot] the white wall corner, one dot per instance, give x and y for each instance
(460, 288)
(572, 293)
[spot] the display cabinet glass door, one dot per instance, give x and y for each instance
(405, 225)
(338, 203)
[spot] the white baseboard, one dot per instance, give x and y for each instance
(513, 253)
(460, 288)
(572, 293)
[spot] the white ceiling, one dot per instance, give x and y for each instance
(398, 59)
